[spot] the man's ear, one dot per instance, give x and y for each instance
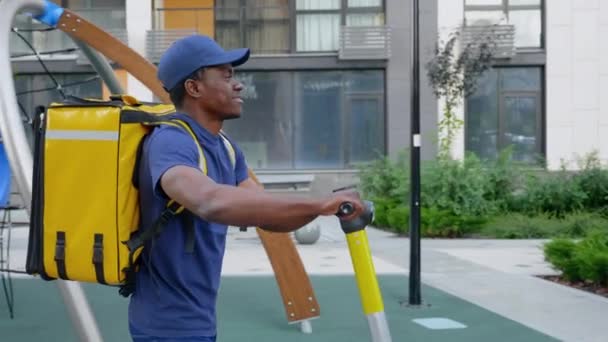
(193, 88)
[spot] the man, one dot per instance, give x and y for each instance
(176, 286)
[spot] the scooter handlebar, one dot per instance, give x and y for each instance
(346, 209)
(358, 223)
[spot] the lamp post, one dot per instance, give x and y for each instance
(414, 279)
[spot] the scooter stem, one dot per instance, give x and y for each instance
(365, 273)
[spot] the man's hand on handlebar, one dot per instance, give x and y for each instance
(335, 200)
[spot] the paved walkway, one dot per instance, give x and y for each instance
(498, 275)
(487, 286)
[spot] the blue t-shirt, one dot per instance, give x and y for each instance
(176, 291)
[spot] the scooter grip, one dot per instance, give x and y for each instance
(346, 209)
(360, 222)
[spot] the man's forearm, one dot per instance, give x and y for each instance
(247, 207)
(244, 206)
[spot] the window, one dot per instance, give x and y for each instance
(318, 21)
(318, 25)
(261, 25)
(525, 15)
(34, 90)
(506, 110)
(109, 14)
(311, 119)
(272, 26)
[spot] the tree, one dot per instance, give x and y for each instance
(453, 76)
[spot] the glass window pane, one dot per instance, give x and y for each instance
(365, 19)
(228, 27)
(528, 27)
(264, 132)
(267, 3)
(365, 114)
(482, 2)
(318, 32)
(339, 118)
(318, 126)
(482, 117)
(222, 3)
(317, 4)
(268, 29)
(520, 79)
(109, 14)
(474, 18)
(310, 120)
(366, 129)
(95, 3)
(521, 127)
(365, 82)
(524, 2)
(364, 3)
(506, 110)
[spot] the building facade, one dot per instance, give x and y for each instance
(326, 89)
(328, 85)
(546, 100)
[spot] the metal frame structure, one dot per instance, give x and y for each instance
(20, 157)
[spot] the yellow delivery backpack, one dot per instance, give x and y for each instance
(84, 222)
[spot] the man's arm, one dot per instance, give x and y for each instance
(241, 206)
(250, 184)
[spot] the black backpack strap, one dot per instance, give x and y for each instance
(136, 242)
(188, 222)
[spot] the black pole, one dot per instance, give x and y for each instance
(414, 298)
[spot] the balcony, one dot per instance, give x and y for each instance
(265, 30)
(365, 42)
(503, 36)
(157, 41)
(276, 30)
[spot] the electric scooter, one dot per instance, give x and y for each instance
(369, 290)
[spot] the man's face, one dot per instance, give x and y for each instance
(218, 92)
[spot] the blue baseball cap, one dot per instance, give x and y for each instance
(191, 53)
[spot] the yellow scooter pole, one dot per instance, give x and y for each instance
(369, 290)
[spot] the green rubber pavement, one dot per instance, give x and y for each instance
(250, 309)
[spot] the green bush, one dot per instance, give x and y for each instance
(445, 224)
(398, 219)
(586, 260)
(381, 208)
(555, 194)
(593, 257)
(458, 187)
(593, 181)
(519, 226)
(385, 179)
(542, 226)
(579, 225)
(561, 254)
(491, 199)
(504, 178)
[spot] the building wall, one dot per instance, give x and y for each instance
(202, 19)
(139, 21)
(577, 80)
(450, 16)
(399, 76)
(576, 77)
